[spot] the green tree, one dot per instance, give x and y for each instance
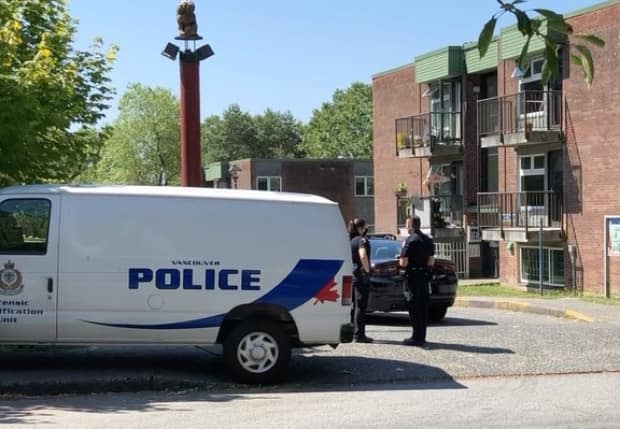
(553, 29)
(342, 127)
(143, 148)
(213, 140)
(47, 89)
(238, 135)
(279, 135)
(231, 137)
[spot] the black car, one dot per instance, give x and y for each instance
(387, 284)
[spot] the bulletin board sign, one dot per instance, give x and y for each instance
(613, 236)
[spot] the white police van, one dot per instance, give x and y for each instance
(258, 272)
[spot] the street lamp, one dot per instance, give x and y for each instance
(190, 57)
(234, 171)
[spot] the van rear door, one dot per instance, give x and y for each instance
(28, 267)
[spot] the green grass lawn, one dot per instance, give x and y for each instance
(601, 300)
(503, 291)
(499, 290)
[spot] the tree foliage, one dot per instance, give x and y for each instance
(342, 127)
(553, 29)
(279, 135)
(47, 89)
(143, 148)
(238, 134)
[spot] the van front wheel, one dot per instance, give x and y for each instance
(257, 352)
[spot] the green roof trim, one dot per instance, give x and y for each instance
(215, 171)
(448, 61)
(440, 64)
(393, 70)
(512, 41)
(475, 64)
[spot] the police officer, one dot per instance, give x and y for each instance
(417, 257)
(360, 253)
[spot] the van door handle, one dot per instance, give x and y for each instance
(50, 285)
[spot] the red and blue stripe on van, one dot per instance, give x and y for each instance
(311, 278)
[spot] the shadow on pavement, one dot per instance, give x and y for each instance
(117, 369)
(195, 375)
(31, 410)
(39, 410)
(454, 347)
(400, 319)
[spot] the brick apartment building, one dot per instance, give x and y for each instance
(346, 181)
(498, 155)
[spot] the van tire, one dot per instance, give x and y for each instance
(257, 351)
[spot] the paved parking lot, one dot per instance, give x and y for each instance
(469, 343)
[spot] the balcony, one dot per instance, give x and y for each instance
(518, 216)
(525, 117)
(442, 214)
(428, 134)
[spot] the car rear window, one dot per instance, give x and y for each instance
(384, 249)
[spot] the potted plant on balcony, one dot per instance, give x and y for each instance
(400, 190)
(403, 145)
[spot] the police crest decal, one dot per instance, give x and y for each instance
(10, 280)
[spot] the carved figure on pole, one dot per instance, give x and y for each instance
(186, 19)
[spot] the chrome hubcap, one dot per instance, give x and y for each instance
(258, 352)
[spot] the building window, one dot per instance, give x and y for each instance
(532, 173)
(553, 270)
(269, 183)
(445, 106)
(364, 186)
(489, 170)
(24, 226)
(532, 77)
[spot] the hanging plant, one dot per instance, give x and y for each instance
(400, 189)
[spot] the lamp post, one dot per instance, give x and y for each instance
(234, 171)
(189, 59)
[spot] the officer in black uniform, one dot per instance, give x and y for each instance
(417, 257)
(360, 253)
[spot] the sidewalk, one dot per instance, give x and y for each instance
(571, 308)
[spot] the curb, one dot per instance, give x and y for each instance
(523, 307)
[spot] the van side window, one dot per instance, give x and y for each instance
(24, 224)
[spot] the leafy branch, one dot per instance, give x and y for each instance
(553, 29)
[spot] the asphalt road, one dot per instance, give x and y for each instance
(567, 401)
(470, 343)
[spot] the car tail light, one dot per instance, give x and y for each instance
(347, 290)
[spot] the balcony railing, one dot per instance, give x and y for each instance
(521, 112)
(520, 210)
(428, 130)
(446, 210)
